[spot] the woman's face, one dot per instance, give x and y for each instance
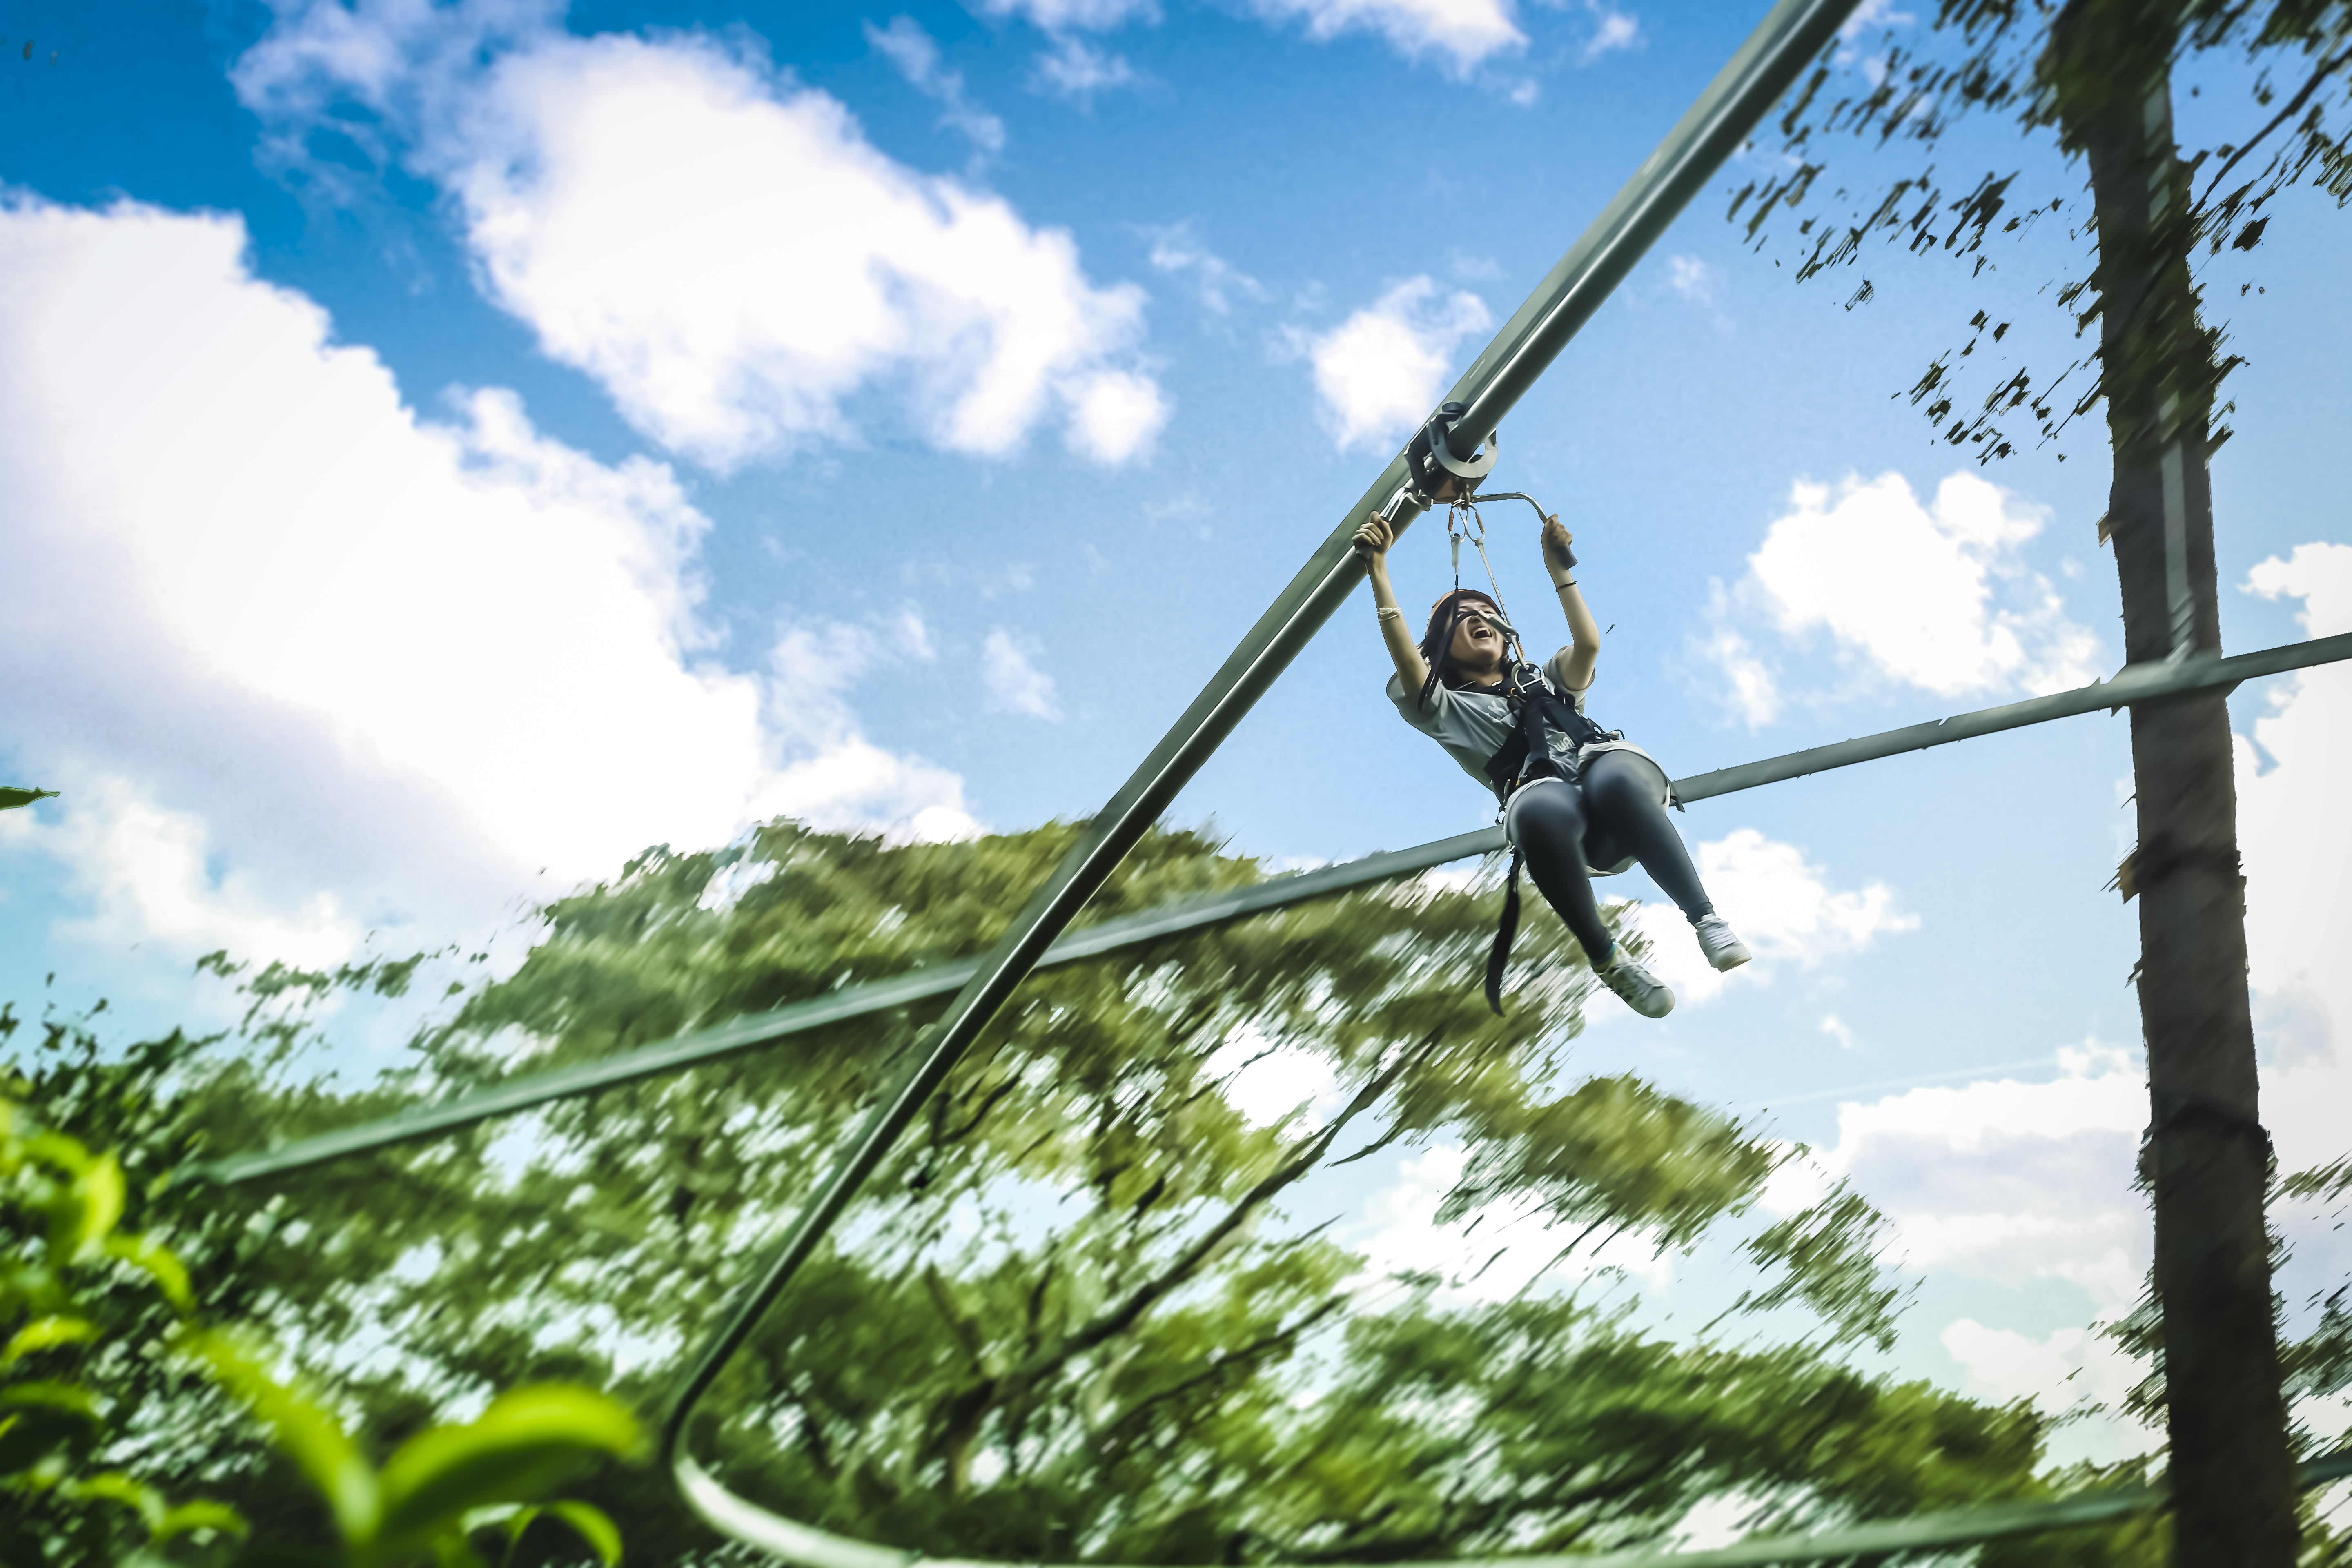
(1476, 643)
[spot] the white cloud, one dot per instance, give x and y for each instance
(1076, 69)
(723, 251)
(309, 663)
(1612, 30)
(1461, 32)
(2008, 1181)
(917, 55)
(1934, 596)
(1115, 415)
(1175, 249)
(1379, 372)
(2297, 841)
(1015, 683)
(2011, 1183)
(1265, 1083)
(1781, 905)
(1693, 279)
(2070, 1370)
(1068, 15)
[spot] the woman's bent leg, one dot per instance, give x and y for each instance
(1620, 794)
(1548, 824)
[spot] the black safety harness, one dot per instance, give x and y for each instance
(1526, 755)
(1524, 758)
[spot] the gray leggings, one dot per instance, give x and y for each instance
(1610, 812)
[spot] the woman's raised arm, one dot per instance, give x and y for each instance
(1374, 540)
(1583, 631)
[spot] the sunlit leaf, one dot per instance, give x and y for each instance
(301, 1428)
(169, 1275)
(113, 1486)
(202, 1514)
(48, 1395)
(452, 1549)
(528, 1441)
(43, 1333)
(59, 1152)
(592, 1524)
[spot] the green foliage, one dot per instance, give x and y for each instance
(96, 1319)
(11, 796)
(68, 1322)
(1088, 1309)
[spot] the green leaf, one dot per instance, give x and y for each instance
(68, 1397)
(587, 1522)
(14, 796)
(169, 1275)
(42, 1334)
(303, 1431)
(80, 1228)
(452, 1549)
(593, 1526)
(59, 1152)
(113, 1486)
(528, 1441)
(201, 1514)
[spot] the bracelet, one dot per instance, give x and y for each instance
(1389, 613)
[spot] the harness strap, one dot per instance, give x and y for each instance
(1499, 957)
(1526, 754)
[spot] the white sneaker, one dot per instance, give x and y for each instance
(1641, 989)
(1723, 949)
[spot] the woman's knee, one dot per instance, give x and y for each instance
(1548, 813)
(1613, 786)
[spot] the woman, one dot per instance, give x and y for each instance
(1582, 803)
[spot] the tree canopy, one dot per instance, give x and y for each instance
(1091, 1308)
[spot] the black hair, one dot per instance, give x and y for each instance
(1437, 642)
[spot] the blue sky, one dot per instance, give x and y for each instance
(448, 448)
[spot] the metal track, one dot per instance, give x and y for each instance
(1920, 1532)
(1713, 128)
(754, 1030)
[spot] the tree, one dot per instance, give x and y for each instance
(96, 1318)
(2099, 73)
(1085, 1311)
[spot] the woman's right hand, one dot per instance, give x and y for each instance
(1373, 539)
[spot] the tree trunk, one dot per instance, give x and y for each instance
(2206, 1157)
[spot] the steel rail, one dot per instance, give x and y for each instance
(751, 1031)
(1918, 1532)
(2134, 683)
(1708, 133)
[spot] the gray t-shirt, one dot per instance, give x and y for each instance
(1473, 725)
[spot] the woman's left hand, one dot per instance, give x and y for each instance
(1556, 543)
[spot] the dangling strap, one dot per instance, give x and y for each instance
(1498, 958)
